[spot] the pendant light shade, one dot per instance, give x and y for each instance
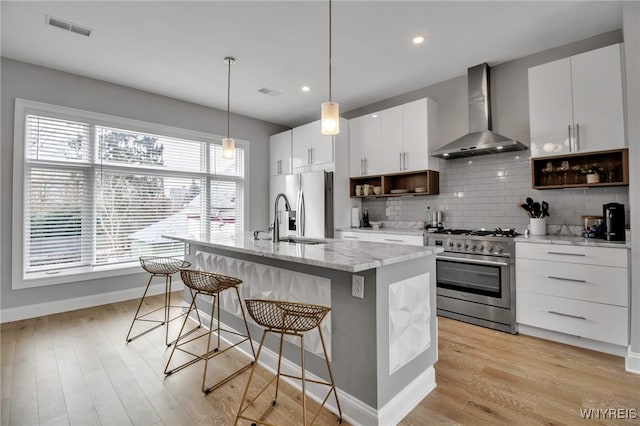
(228, 144)
(330, 118)
(330, 111)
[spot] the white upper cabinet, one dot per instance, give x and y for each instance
(310, 146)
(365, 145)
(420, 133)
(280, 153)
(394, 140)
(576, 103)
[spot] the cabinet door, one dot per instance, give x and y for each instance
(392, 140)
(321, 145)
(280, 153)
(356, 146)
(385, 237)
(301, 145)
(373, 144)
(597, 99)
(416, 135)
(550, 108)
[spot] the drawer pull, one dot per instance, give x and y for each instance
(394, 241)
(352, 238)
(566, 315)
(573, 280)
(566, 254)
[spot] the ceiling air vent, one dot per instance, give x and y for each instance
(68, 26)
(269, 92)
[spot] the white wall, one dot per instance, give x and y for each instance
(22, 80)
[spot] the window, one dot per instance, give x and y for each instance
(94, 192)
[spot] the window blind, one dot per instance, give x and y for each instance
(103, 195)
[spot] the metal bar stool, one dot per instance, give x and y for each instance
(158, 267)
(289, 318)
(209, 284)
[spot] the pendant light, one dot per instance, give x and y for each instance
(330, 111)
(228, 144)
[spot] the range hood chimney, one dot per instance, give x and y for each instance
(480, 139)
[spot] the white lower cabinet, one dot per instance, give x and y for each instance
(381, 237)
(576, 290)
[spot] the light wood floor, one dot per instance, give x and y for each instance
(75, 368)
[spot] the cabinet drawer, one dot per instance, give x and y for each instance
(412, 240)
(600, 284)
(596, 321)
(349, 235)
(573, 254)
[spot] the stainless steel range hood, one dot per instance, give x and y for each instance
(480, 139)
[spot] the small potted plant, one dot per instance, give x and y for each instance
(593, 173)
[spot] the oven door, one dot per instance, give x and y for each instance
(475, 278)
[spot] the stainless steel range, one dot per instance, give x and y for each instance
(476, 276)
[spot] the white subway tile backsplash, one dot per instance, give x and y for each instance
(487, 194)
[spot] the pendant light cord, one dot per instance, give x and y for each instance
(330, 100)
(228, 94)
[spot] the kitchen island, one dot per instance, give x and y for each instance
(382, 345)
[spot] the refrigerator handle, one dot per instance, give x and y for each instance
(301, 214)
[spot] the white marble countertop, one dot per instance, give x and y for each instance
(571, 240)
(350, 256)
(384, 230)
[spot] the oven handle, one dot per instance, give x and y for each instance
(475, 261)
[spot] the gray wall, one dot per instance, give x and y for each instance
(631, 24)
(22, 80)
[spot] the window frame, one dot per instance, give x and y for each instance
(23, 107)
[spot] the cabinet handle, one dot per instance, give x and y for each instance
(566, 254)
(350, 238)
(312, 160)
(393, 240)
(577, 137)
(404, 156)
(570, 141)
(366, 166)
(567, 279)
(400, 158)
(567, 315)
(361, 166)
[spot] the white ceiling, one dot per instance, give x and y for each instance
(177, 48)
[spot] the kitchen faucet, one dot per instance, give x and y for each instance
(276, 224)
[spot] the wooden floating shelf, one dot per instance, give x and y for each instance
(612, 166)
(427, 179)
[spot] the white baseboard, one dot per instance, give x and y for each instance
(632, 362)
(354, 411)
(66, 305)
(407, 399)
(568, 339)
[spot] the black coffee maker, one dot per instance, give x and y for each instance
(613, 222)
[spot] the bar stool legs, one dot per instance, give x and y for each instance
(158, 267)
(208, 284)
(291, 319)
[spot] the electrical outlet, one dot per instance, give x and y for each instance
(357, 286)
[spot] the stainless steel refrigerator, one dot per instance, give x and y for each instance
(311, 197)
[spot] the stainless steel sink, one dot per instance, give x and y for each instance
(299, 240)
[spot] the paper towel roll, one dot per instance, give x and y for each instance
(355, 217)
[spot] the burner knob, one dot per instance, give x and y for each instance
(451, 244)
(472, 246)
(459, 245)
(488, 247)
(498, 249)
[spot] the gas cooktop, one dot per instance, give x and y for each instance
(498, 232)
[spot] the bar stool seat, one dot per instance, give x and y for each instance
(165, 267)
(290, 318)
(204, 283)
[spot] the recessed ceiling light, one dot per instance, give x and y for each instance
(305, 88)
(498, 147)
(418, 39)
(374, 116)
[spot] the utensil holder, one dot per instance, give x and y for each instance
(538, 226)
